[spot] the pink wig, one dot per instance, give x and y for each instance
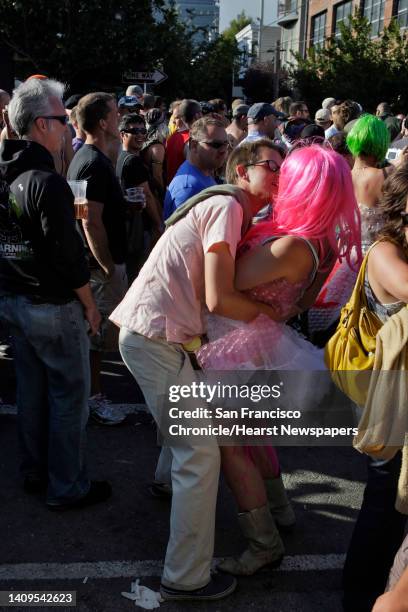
(315, 200)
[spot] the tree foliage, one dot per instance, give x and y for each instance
(236, 25)
(356, 66)
(89, 44)
(78, 40)
(258, 82)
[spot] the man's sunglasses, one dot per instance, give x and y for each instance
(215, 144)
(63, 119)
(404, 217)
(270, 163)
(135, 131)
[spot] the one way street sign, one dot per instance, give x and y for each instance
(154, 77)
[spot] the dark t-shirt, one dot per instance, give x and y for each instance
(130, 170)
(90, 164)
(41, 253)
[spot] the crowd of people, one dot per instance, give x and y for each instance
(211, 240)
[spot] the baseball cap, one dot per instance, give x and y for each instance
(241, 109)
(312, 131)
(294, 127)
(322, 116)
(260, 110)
(328, 102)
(134, 90)
(40, 77)
(72, 101)
(129, 101)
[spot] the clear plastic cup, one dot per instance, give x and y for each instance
(136, 197)
(78, 188)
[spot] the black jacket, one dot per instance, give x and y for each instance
(41, 252)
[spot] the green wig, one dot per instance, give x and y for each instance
(369, 136)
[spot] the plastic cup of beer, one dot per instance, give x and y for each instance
(135, 196)
(78, 188)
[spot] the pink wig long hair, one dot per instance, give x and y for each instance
(315, 200)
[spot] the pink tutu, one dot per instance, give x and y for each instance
(262, 344)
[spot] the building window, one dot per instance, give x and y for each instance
(374, 12)
(343, 12)
(402, 14)
(287, 6)
(319, 30)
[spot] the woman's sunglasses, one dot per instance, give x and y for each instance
(404, 217)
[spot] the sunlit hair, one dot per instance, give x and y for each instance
(246, 154)
(199, 129)
(315, 200)
(369, 136)
(392, 203)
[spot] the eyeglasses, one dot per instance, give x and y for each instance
(270, 163)
(63, 119)
(404, 217)
(215, 144)
(135, 131)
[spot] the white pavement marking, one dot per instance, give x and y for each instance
(132, 569)
(123, 408)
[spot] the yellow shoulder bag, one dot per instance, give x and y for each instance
(349, 353)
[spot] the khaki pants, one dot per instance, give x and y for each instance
(108, 293)
(195, 469)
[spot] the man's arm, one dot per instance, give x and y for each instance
(152, 206)
(91, 312)
(65, 248)
(157, 152)
(220, 294)
(97, 238)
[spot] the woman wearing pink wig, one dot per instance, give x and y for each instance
(283, 262)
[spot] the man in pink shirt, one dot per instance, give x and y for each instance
(190, 272)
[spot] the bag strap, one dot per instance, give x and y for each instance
(359, 286)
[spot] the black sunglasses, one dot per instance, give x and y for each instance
(135, 131)
(63, 119)
(215, 144)
(404, 217)
(272, 165)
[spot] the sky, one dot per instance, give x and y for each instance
(231, 8)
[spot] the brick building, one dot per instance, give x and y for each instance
(325, 16)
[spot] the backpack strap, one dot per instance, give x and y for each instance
(225, 190)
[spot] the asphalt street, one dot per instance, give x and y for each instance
(99, 551)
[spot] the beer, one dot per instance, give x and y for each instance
(78, 188)
(136, 198)
(81, 208)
